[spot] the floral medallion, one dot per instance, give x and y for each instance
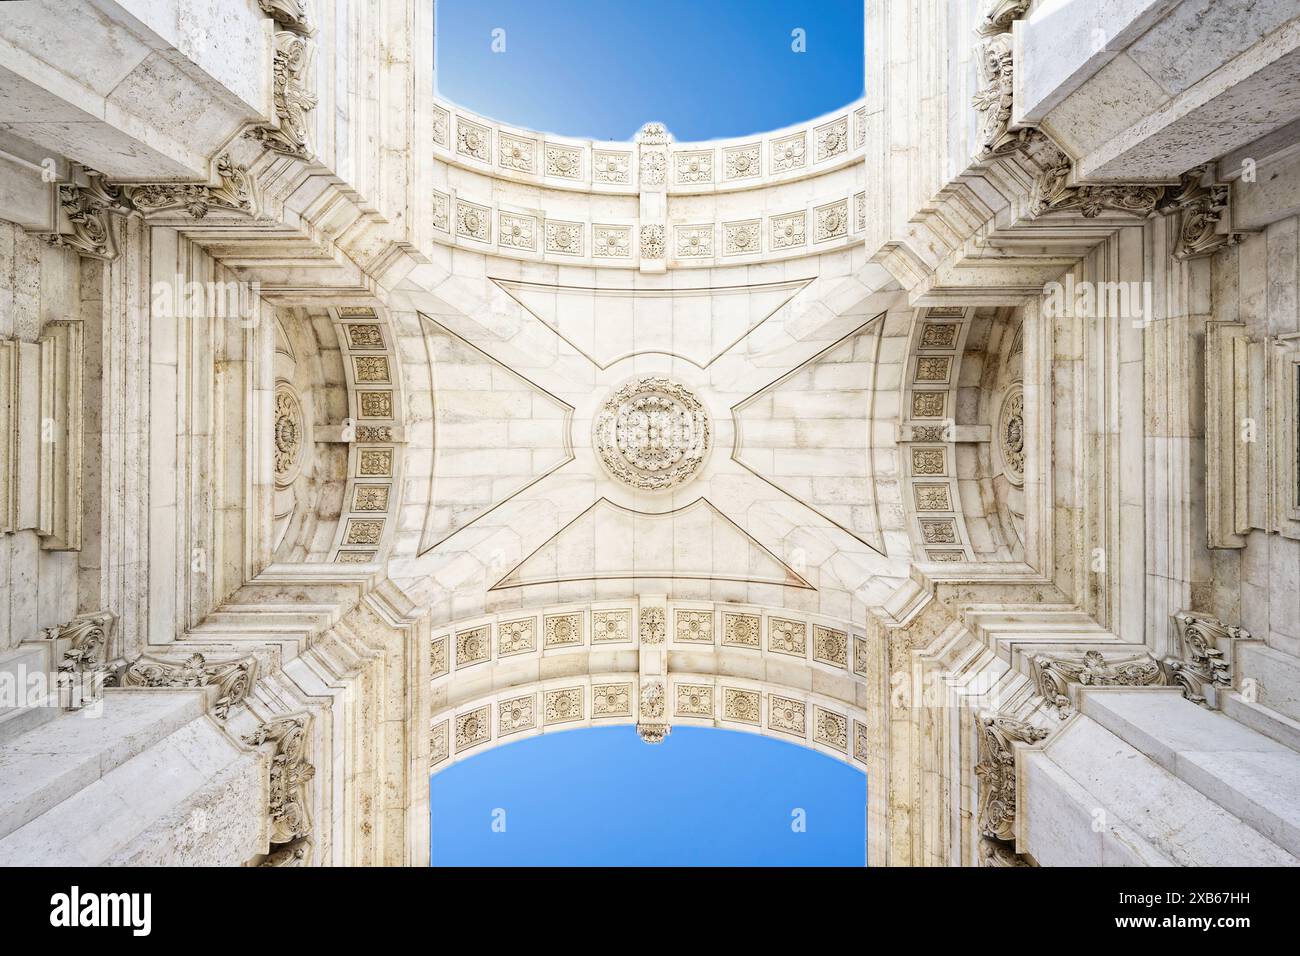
(652, 434)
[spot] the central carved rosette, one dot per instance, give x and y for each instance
(652, 434)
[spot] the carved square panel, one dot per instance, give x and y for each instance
(947, 556)
(693, 700)
(516, 714)
(831, 221)
(652, 242)
(742, 238)
(939, 335)
(787, 637)
(830, 729)
(563, 706)
(516, 637)
(439, 745)
(609, 627)
(517, 232)
(742, 162)
(441, 211)
(611, 700)
(694, 167)
(375, 463)
(653, 628)
(564, 238)
(564, 162)
(439, 662)
(375, 404)
(355, 311)
(441, 127)
(860, 212)
(362, 337)
(363, 531)
(861, 656)
(743, 706)
(371, 369)
(939, 530)
(832, 139)
(517, 153)
(473, 221)
(788, 152)
(473, 727)
(789, 230)
(694, 627)
(786, 715)
(933, 368)
(354, 557)
(611, 242)
(473, 140)
(933, 496)
(830, 646)
(694, 242)
(370, 498)
(562, 630)
(741, 630)
(929, 404)
(861, 742)
(611, 166)
(473, 646)
(929, 461)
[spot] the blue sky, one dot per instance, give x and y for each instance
(706, 68)
(602, 797)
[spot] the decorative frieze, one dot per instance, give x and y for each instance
(290, 774)
(831, 140)
(996, 770)
(233, 679)
(611, 166)
(563, 162)
(1054, 673)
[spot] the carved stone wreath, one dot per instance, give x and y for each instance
(1011, 434)
(289, 433)
(652, 434)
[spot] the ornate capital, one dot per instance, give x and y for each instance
(233, 679)
(1203, 208)
(1202, 661)
(1054, 191)
(996, 771)
(233, 193)
(1055, 674)
(652, 721)
(290, 774)
(90, 635)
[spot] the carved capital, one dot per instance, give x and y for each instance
(1054, 191)
(652, 720)
(996, 97)
(1202, 661)
(1000, 14)
(90, 635)
(1054, 675)
(233, 679)
(83, 216)
(996, 771)
(290, 774)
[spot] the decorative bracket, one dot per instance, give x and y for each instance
(1202, 661)
(290, 774)
(1054, 675)
(233, 679)
(996, 770)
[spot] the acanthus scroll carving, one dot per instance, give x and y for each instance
(290, 774)
(83, 216)
(292, 95)
(233, 679)
(233, 193)
(1203, 207)
(996, 770)
(1202, 661)
(1055, 674)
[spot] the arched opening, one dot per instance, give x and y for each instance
(599, 796)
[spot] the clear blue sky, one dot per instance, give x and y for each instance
(602, 797)
(706, 68)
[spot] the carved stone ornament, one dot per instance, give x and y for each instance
(233, 193)
(233, 679)
(289, 435)
(652, 723)
(997, 853)
(652, 242)
(1011, 434)
(654, 134)
(293, 97)
(83, 217)
(90, 635)
(1203, 209)
(297, 853)
(652, 434)
(1000, 14)
(1202, 661)
(996, 771)
(994, 100)
(1055, 674)
(290, 774)
(289, 14)
(1054, 192)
